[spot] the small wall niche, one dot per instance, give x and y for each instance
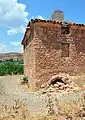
(65, 29)
(65, 49)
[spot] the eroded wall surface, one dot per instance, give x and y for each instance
(44, 53)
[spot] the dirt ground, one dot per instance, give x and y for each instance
(11, 90)
(17, 103)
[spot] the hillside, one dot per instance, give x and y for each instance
(11, 56)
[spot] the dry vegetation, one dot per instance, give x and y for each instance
(73, 110)
(17, 112)
(57, 110)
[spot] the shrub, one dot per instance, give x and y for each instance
(25, 79)
(10, 68)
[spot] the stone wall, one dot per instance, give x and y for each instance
(29, 63)
(44, 52)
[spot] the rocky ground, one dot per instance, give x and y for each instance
(62, 83)
(11, 90)
(17, 103)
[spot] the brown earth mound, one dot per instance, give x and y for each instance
(60, 83)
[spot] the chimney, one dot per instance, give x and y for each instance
(58, 15)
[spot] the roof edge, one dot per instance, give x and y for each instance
(48, 21)
(28, 27)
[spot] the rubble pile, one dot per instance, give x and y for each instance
(60, 83)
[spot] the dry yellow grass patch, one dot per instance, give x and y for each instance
(17, 112)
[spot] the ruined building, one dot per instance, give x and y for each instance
(58, 15)
(51, 47)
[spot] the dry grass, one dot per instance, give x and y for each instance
(52, 117)
(74, 110)
(69, 110)
(17, 112)
(39, 118)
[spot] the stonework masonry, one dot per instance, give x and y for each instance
(49, 51)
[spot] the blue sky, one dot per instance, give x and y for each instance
(14, 16)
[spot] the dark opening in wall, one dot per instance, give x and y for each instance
(56, 80)
(65, 49)
(65, 30)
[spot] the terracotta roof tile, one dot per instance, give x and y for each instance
(39, 20)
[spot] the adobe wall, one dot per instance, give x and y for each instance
(29, 63)
(48, 60)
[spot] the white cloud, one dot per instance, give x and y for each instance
(15, 43)
(38, 17)
(3, 48)
(17, 46)
(20, 49)
(13, 15)
(13, 31)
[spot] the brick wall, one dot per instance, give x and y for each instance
(44, 53)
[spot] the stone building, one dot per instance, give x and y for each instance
(51, 47)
